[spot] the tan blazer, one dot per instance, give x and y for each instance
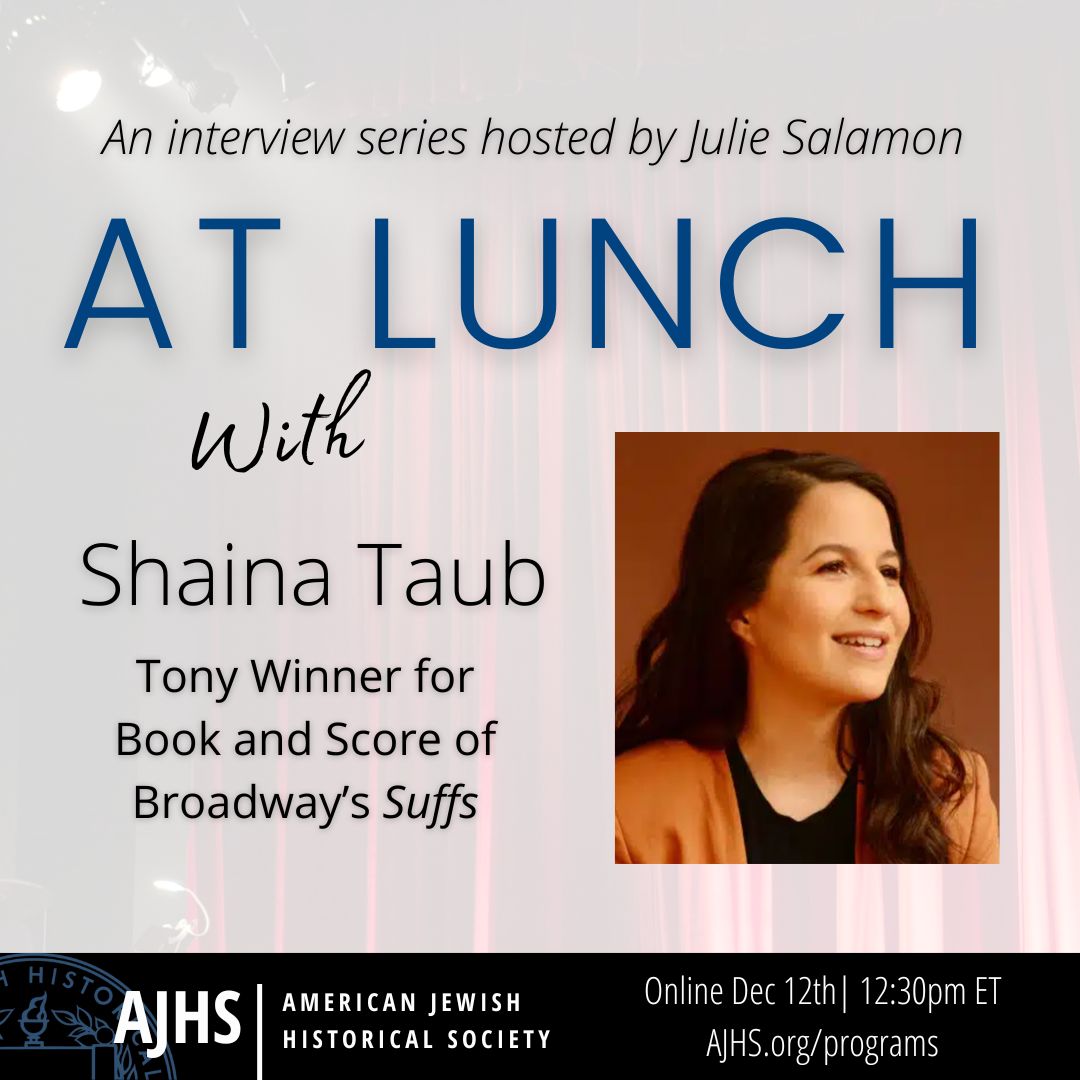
(675, 803)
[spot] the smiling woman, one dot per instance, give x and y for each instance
(775, 715)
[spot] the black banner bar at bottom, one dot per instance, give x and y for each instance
(133, 1015)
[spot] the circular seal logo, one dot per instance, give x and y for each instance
(57, 1018)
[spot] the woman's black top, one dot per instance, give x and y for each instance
(827, 836)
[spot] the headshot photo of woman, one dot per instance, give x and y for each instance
(774, 712)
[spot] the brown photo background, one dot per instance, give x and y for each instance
(947, 487)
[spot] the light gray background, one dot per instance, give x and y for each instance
(467, 446)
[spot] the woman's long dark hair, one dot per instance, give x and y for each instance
(691, 670)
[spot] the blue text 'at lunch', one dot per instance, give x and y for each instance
(669, 302)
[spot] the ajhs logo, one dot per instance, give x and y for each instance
(63, 1017)
(134, 1019)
